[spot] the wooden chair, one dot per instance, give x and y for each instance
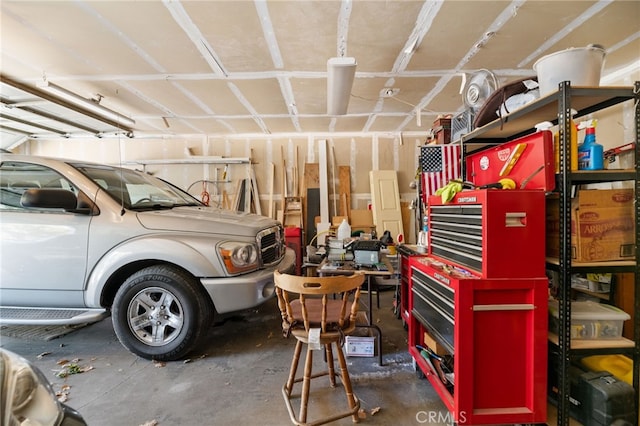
(325, 307)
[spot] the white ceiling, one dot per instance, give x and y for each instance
(259, 67)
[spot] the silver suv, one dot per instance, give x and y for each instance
(82, 240)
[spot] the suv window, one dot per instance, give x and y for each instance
(136, 191)
(17, 177)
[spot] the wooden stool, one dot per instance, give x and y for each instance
(311, 311)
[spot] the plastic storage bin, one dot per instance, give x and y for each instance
(590, 320)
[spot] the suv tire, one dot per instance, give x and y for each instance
(161, 313)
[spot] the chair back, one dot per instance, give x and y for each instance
(329, 303)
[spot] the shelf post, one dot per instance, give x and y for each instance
(636, 294)
(564, 285)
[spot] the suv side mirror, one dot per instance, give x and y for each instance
(51, 198)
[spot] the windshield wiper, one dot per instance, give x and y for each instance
(155, 206)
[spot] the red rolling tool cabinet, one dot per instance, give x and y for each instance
(496, 332)
(478, 306)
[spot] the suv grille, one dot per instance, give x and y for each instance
(271, 244)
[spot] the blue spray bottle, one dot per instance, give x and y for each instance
(590, 153)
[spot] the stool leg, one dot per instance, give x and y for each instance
(306, 382)
(294, 367)
(331, 369)
(346, 382)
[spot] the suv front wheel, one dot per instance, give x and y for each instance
(160, 313)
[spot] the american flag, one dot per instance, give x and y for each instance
(439, 164)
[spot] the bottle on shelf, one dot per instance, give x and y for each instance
(423, 236)
(590, 153)
(547, 125)
(344, 230)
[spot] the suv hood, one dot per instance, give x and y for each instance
(205, 219)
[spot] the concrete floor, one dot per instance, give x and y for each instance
(235, 379)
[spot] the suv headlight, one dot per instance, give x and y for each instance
(27, 396)
(239, 257)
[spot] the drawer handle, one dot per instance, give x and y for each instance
(507, 307)
(515, 220)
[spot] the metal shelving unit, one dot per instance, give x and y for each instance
(556, 107)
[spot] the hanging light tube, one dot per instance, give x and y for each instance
(87, 104)
(340, 75)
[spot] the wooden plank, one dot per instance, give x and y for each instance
(254, 192)
(284, 173)
(238, 201)
(344, 190)
(272, 172)
(311, 175)
(624, 294)
(246, 190)
(333, 181)
(226, 203)
(296, 177)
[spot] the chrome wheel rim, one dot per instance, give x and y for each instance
(155, 316)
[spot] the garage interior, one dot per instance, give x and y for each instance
(220, 96)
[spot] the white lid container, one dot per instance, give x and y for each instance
(590, 320)
(581, 66)
(590, 311)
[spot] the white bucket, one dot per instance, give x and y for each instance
(581, 66)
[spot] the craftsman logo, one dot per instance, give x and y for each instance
(467, 199)
(440, 418)
(441, 278)
(503, 154)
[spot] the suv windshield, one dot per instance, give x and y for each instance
(136, 190)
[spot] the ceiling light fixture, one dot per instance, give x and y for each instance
(87, 104)
(340, 75)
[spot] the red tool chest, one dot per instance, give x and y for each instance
(494, 233)
(496, 332)
(528, 161)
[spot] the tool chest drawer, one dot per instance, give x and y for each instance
(456, 234)
(493, 233)
(433, 306)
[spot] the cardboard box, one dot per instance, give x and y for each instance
(432, 344)
(602, 226)
(442, 130)
(362, 220)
